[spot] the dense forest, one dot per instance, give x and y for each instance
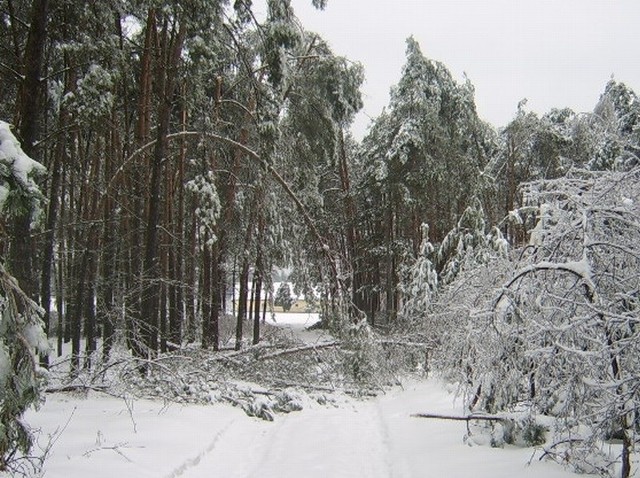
(186, 147)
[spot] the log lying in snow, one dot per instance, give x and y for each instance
(304, 348)
(77, 388)
(466, 418)
(404, 343)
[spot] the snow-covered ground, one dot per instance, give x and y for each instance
(102, 436)
(298, 324)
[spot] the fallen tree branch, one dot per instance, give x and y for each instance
(76, 388)
(255, 157)
(300, 349)
(548, 451)
(349, 391)
(466, 418)
(403, 343)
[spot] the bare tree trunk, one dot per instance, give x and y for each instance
(244, 281)
(242, 301)
(357, 301)
(61, 303)
(162, 316)
(49, 242)
(260, 264)
(110, 250)
(92, 246)
(190, 287)
(205, 293)
(257, 291)
(132, 224)
(627, 447)
(216, 296)
(29, 114)
(264, 307)
(177, 251)
(390, 267)
(165, 87)
(211, 316)
(76, 317)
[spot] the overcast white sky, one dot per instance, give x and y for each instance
(555, 53)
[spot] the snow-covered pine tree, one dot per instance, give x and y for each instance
(616, 124)
(283, 297)
(422, 281)
(468, 242)
(21, 333)
(421, 164)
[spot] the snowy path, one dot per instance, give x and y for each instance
(368, 439)
(105, 437)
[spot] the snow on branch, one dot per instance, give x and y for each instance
(580, 269)
(465, 418)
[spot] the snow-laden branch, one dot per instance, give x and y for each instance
(304, 348)
(612, 245)
(579, 268)
(255, 157)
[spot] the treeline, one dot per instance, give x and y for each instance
(188, 146)
(193, 145)
(435, 181)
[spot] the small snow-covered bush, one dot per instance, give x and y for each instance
(265, 406)
(362, 353)
(525, 432)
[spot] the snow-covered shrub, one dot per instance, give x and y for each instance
(362, 353)
(558, 332)
(517, 429)
(266, 406)
(525, 431)
(422, 281)
(92, 98)
(18, 190)
(468, 242)
(21, 333)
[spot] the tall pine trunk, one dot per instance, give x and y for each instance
(29, 115)
(166, 76)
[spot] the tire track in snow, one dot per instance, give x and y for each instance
(195, 461)
(323, 442)
(268, 436)
(397, 466)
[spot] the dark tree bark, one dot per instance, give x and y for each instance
(211, 315)
(216, 299)
(357, 305)
(49, 240)
(29, 114)
(257, 291)
(107, 310)
(242, 301)
(190, 277)
(165, 83)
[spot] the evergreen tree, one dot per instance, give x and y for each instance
(283, 297)
(616, 124)
(20, 318)
(422, 160)
(422, 282)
